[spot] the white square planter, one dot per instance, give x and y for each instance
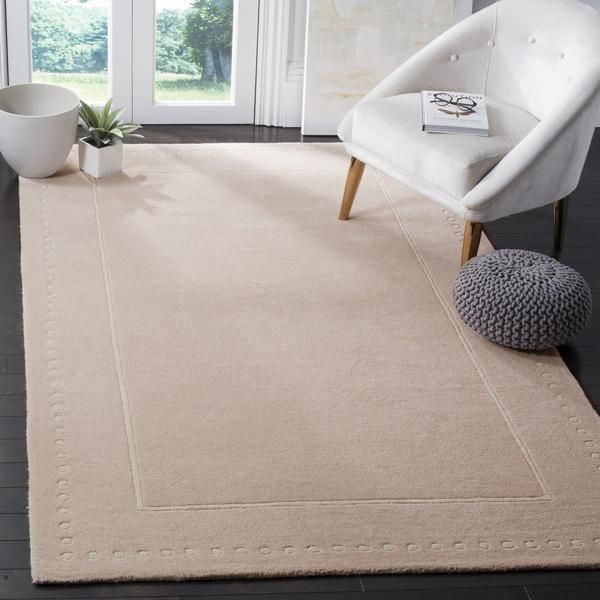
(100, 162)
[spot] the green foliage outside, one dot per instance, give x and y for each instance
(208, 34)
(68, 37)
(193, 48)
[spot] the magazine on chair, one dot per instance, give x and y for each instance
(454, 112)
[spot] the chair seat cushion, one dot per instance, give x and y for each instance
(391, 129)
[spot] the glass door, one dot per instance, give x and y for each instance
(69, 45)
(78, 44)
(165, 61)
(194, 61)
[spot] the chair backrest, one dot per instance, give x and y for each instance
(540, 48)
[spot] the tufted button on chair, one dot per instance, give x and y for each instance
(538, 64)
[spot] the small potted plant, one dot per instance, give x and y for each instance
(101, 151)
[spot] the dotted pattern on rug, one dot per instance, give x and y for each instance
(522, 299)
(56, 392)
(339, 549)
(591, 446)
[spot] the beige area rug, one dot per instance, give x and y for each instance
(225, 380)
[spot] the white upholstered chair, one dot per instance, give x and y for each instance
(538, 64)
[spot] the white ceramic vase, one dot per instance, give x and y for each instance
(38, 123)
(100, 162)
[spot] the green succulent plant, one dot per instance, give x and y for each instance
(104, 126)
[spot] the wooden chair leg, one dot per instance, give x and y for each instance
(471, 242)
(561, 209)
(355, 173)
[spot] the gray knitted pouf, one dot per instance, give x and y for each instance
(522, 299)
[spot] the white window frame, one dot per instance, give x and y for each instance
(3, 64)
(240, 109)
(18, 41)
(120, 45)
(132, 78)
(18, 28)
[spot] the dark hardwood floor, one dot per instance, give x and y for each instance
(531, 230)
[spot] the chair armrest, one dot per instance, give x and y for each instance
(546, 165)
(433, 67)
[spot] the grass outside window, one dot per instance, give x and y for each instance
(170, 87)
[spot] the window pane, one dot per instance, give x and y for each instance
(69, 45)
(193, 50)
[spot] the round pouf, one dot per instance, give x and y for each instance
(523, 300)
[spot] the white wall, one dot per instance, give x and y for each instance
(479, 4)
(297, 31)
(355, 44)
